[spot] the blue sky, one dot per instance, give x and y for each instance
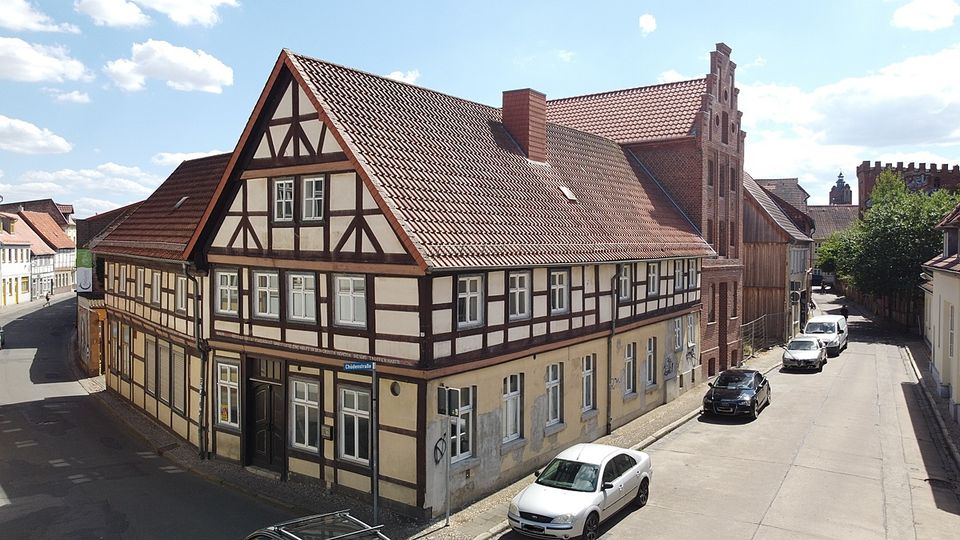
(100, 99)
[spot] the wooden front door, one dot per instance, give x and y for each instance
(265, 428)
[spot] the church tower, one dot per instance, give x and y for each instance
(840, 193)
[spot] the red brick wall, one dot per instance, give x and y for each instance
(525, 117)
(918, 177)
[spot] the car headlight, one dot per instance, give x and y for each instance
(514, 509)
(565, 518)
(745, 399)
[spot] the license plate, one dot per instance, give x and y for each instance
(533, 528)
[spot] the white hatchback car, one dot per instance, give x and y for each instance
(581, 487)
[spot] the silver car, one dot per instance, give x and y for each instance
(583, 486)
(805, 352)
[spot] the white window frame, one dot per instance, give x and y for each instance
(951, 334)
(630, 368)
(677, 276)
(519, 296)
(140, 284)
(281, 198)
(691, 330)
(150, 364)
(302, 402)
(306, 295)
(155, 286)
(163, 368)
(512, 407)
(123, 280)
(692, 281)
(554, 389)
(462, 428)
(678, 334)
(271, 295)
(224, 387)
(559, 291)
(178, 378)
(651, 362)
(180, 293)
(353, 295)
(126, 336)
(471, 296)
(653, 279)
(228, 291)
(625, 282)
(310, 203)
(588, 365)
(353, 414)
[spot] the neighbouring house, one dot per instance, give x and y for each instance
(14, 261)
(41, 262)
(61, 213)
(941, 305)
(64, 258)
(835, 217)
(916, 177)
(786, 189)
(687, 136)
(541, 270)
(777, 263)
(91, 311)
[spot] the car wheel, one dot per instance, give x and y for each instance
(820, 367)
(769, 393)
(643, 494)
(754, 411)
(591, 529)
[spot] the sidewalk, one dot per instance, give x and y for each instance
(486, 518)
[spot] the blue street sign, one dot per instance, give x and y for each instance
(358, 366)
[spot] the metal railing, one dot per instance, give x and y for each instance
(763, 332)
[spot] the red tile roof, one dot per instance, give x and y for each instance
(37, 246)
(951, 220)
(831, 219)
(467, 196)
(157, 229)
(647, 113)
(46, 206)
(18, 236)
(769, 207)
(45, 226)
(100, 224)
(950, 263)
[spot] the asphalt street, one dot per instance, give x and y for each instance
(846, 453)
(68, 470)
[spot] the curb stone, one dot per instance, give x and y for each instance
(951, 447)
(504, 526)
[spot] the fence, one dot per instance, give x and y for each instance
(763, 332)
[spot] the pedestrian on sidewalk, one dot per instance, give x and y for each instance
(47, 303)
(844, 311)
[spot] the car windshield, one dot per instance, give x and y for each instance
(734, 379)
(570, 475)
(802, 345)
(821, 328)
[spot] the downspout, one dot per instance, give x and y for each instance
(204, 349)
(614, 286)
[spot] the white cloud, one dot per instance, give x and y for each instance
(87, 206)
(22, 61)
(175, 158)
(565, 55)
(25, 138)
(408, 77)
(186, 12)
(671, 75)
(927, 15)
(105, 178)
(112, 12)
(74, 96)
(883, 115)
(648, 23)
(20, 15)
(757, 62)
(182, 68)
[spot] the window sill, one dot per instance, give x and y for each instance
(464, 464)
(512, 445)
(226, 428)
(586, 416)
(651, 388)
(553, 429)
(630, 397)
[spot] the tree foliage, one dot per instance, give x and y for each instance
(881, 253)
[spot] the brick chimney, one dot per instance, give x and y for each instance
(525, 117)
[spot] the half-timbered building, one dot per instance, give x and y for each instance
(537, 268)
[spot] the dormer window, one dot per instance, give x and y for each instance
(950, 237)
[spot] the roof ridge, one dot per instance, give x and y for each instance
(385, 78)
(625, 90)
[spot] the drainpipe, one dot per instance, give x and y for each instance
(614, 286)
(204, 349)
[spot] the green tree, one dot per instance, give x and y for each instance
(882, 253)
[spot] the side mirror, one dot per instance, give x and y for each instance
(606, 486)
(841, 331)
(710, 384)
(536, 473)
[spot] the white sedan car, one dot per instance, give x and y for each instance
(584, 485)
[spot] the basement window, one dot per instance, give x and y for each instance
(181, 201)
(568, 194)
